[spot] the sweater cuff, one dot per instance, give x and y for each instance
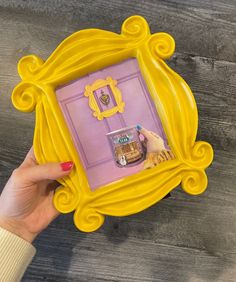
(15, 255)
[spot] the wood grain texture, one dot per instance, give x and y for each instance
(182, 238)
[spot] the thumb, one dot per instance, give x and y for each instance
(49, 171)
(146, 133)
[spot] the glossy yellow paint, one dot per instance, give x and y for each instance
(87, 51)
(89, 92)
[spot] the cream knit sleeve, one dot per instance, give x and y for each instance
(15, 255)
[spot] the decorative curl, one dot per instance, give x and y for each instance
(194, 182)
(162, 45)
(28, 66)
(135, 27)
(64, 200)
(201, 154)
(25, 96)
(88, 219)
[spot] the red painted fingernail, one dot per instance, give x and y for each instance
(67, 166)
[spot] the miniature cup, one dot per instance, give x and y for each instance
(126, 146)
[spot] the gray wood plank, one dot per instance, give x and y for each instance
(205, 28)
(182, 238)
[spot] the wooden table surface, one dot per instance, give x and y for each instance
(182, 238)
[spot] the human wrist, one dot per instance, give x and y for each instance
(16, 227)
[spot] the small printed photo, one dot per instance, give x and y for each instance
(114, 123)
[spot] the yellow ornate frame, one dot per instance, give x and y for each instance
(87, 51)
(89, 92)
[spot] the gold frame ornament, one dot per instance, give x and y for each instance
(89, 92)
(75, 57)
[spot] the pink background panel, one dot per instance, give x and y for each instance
(89, 134)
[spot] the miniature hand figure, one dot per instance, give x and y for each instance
(26, 203)
(156, 151)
